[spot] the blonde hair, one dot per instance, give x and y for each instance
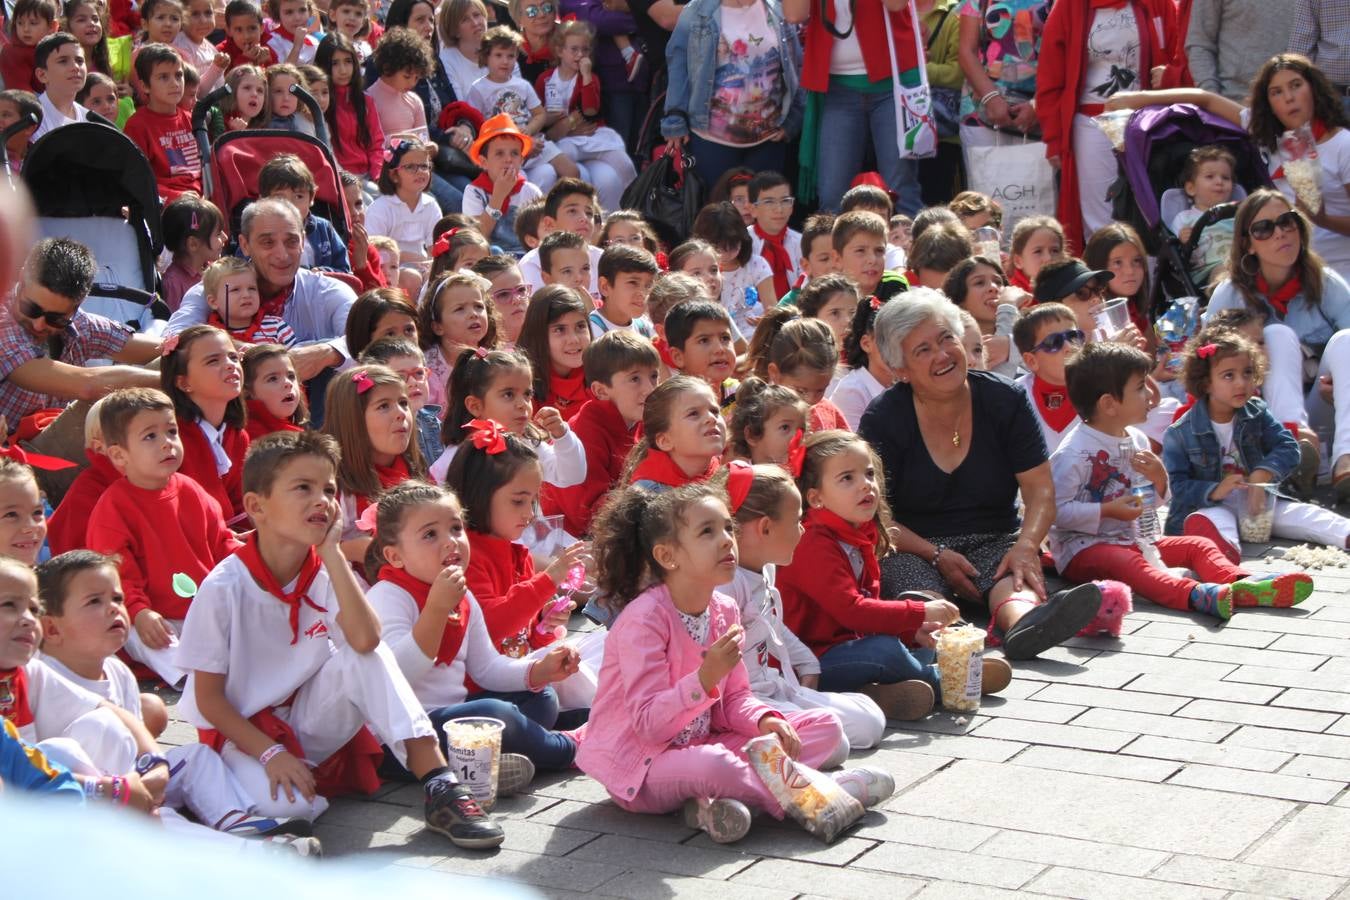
(218, 271)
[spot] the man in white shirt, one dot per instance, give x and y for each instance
(58, 64)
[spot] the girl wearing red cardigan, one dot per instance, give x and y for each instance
(1091, 50)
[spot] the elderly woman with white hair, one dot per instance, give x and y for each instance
(957, 445)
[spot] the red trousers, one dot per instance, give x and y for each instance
(1116, 562)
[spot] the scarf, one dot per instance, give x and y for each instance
(14, 697)
(863, 537)
(1019, 279)
(1280, 297)
(260, 421)
(1319, 132)
(543, 55)
(659, 466)
(456, 626)
(484, 182)
(779, 259)
(252, 559)
(568, 392)
(391, 475)
(275, 304)
(248, 334)
(1052, 403)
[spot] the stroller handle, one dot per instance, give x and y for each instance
(27, 120)
(200, 110)
(1217, 213)
(315, 114)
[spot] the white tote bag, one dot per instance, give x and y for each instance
(1016, 174)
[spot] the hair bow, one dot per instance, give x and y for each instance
(442, 245)
(740, 476)
(169, 346)
(1206, 351)
(480, 351)
(387, 154)
(796, 453)
(875, 302)
(369, 516)
(487, 436)
(192, 225)
(362, 381)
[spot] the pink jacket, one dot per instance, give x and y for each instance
(649, 691)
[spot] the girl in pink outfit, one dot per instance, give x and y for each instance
(674, 710)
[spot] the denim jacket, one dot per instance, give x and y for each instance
(691, 64)
(428, 423)
(1314, 324)
(1194, 461)
(329, 250)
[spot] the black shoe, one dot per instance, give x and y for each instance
(1053, 622)
(452, 811)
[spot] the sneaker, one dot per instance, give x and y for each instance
(866, 784)
(903, 701)
(1280, 592)
(452, 811)
(300, 845)
(514, 774)
(1053, 622)
(247, 826)
(996, 675)
(725, 821)
(1197, 525)
(634, 65)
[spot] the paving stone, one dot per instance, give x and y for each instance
(1163, 817)
(1089, 763)
(1020, 688)
(906, 859)
(608, 818)
(1323, 767)
(578, 787)
(889, 824)
(1321, 646)
(1264, 716)
(678, 859)
(1342, 726)
(826, 881)
(1163, 665)
(959, 746)
(1082, 883)
(1053, 850)
(941, 722)
(1314, 840)
(1301, 698)
(1241, 877)
(955, 890)
(1203, 688)
(1055, 735)
(531, 868)
(1028, 710)
(1196, 632)
(1101, 697)
(1139, 642)
(1245, 656)
(1292, 741)
(1285, 678)
(549, 840)
(654, 884)
(1262, 784)
(787, 841)
(419, 850)
(1225, 754)
(905, 768)
(1070, 673)
(1144, 723)
(1293, 622)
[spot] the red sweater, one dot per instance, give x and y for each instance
(584, 96)
(167, 141)
(360, 159)
(16, 67)
(824, 605)
(69, 524)
(370, 271)
(607, 439)
(825, 415)
(158, 534)
(237, 57)
(502, 578)
(199, 464)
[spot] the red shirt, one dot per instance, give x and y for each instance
(16, 67)
(358, 158)
(825, 415)
(156, 535)
(69, 524)
(607, 438)
(167, 141)
(237, 57)
(371, 271)
(502, 578)
(199, 464)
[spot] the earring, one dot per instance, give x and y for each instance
(1256, 264)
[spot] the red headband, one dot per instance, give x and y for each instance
(740, 476)
(1206, 351)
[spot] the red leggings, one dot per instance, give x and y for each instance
(1116, 562)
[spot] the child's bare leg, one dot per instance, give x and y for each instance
(155, 714)
(424, 755)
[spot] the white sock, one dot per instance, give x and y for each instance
(627, 53)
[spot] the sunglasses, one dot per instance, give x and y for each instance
(1055, 342)
(1264, 229)
(1091, 290)
(517, 293)
(546, 9)
(30, 310)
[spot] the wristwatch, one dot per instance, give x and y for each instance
(494, 213)
(147, 761)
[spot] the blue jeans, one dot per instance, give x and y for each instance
(875, 659)
(316, 390)
(847, 119)
(448, 193)
(528, 716)
(712, 159)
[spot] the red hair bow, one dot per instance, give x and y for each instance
(36, 460)
(442, 244)
(362, 381)
(488, 436)
(1206, 351)
(796, 453)
(876, 302)
(740, 476)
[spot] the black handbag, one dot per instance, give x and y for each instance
(669, 195)
(454, 161)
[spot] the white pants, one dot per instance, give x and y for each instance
(162, 661)
(200, 782)
(577, 691)
(97, 743)
(1293, 521)
(1095, 160)
(1283, 389)
(1336, 363)
(351, 690)
(862, 720)
(604, 162)
(1160, 419)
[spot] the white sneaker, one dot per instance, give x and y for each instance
(308, 847)
(514, 774)
(868, 785)
(725, 821)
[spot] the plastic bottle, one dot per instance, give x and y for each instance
(751, 297)
(1146, 526)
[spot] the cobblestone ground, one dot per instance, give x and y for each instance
(1185, 760)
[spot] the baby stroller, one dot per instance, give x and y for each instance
(91, 184)
(1149, 195)
(230, 167)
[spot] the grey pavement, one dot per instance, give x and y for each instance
(1187, 759)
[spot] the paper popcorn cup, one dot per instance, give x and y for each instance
(961, 666)
(475, 752)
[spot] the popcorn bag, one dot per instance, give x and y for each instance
(961, 667)
(1256, 512)
(475, 746)
(812, 798)
(1302, 168)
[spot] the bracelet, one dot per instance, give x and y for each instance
(94, 788)
(121, 791)
(937, 553)
(271, 753)
(990, 96)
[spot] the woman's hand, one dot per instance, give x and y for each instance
(787, 735)
(1023, 563)
(1023, 116)
(461, 136)
(941, 612)
(1129, 100)
(957, 572)
(997, 112)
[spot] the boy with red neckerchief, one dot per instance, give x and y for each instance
(287, 662)
(771, 204)
(231, 288)
(498, 193)
(1046, 334)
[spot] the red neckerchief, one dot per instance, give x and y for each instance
(542, 55)
(456, 625)
(664, 350)
(1319, 131)
(779, 259)
(1019, 279)
(14, 697)
(485, 182)
(236, 53)
(248, 334)
(660, 467)
(567, 393)
(260, 421)
(1280, 298)
(252, 559)
(864, 537)
(391, 475)
(1052, 402)
(1184, 408)
(274, 304)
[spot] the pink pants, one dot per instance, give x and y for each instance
(1116, 562)
(719, 769)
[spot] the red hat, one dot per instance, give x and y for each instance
(872, 179)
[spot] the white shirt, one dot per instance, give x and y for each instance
(389, 216)
(118, 686)
(53, 118)
(281, 46)
(854, 392)
(639, 326)
(236, 629)
(563, 461)
(1112, 56)
(846, 53)
(443, 685)
(55, 702)
(461, 71)
(214, 440)
(533, 274)
(767, 638)
(515, 97)
(476, 200)
(792, 243)
(734, 283)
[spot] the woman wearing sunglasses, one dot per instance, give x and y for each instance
(1273, 270)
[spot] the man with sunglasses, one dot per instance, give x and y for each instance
(47, 341)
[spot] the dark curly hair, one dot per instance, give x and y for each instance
(1264, 126)
(1195, 370)
(401, 50)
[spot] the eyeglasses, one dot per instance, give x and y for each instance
(420, 373)
(780, 202)
(1055, 342)
(30, 310)
(416, 167)
(1090, 291)
(1264, 229)
(545, 9)
(506, 295)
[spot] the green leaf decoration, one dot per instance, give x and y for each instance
(184, 586)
